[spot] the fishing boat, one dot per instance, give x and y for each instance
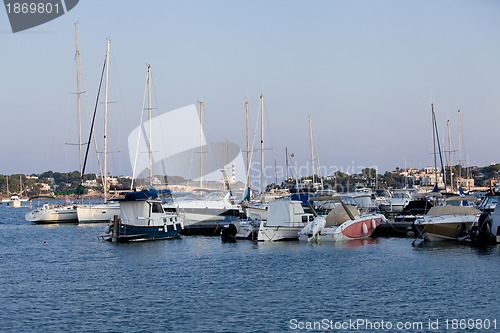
(142, 217)
(447, 222)
(286, 218)
(342, 223)
(52, 213)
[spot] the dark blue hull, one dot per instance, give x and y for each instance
(127, 232)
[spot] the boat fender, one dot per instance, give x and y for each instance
(107, 230)
(374, 224)
(316, 227)
(365, 228)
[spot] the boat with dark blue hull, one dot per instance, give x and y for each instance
(142, 217)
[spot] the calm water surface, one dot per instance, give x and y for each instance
(61, 278)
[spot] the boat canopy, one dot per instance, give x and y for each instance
(42, 197)
(452, 210)
(462, 198)
(339, 215)
(140, 195)
(282, 212)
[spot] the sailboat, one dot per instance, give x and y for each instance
(15, 198)
(207, 212)
(454, 218)
(258, 209)
(103, 213)
(65, 213)
(142, 215)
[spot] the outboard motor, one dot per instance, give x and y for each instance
(317, 225)
(228, 233)
(481, 234)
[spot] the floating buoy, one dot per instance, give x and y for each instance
(365, 229)
(44, 241)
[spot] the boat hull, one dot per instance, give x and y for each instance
(442, 229)
(52, 215)
(129, 233)
(278, 233)
(102, 213)
(360, 228)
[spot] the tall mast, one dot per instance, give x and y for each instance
(286, 162)
(312, 147)
(150, 143)
(449, 155)
(248, 144)
(434, 141)
(201, 145)
(105, 171)
(262, 185)
(77, 60)
(459, 149)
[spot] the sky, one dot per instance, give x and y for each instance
(366, 71)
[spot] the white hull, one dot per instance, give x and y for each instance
(360, 228)
(285, 219)
(278, 233)
(196, 211)
(256, 213)
(58, 214)
(101, 213)
(246, 229)
(15, 203)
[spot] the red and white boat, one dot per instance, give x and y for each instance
(342, 223)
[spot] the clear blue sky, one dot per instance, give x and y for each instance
(367, 72)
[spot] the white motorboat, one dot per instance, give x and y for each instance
(15, 201)
(447, 222)
(342, 223)
(398, 200)
(285, 219)
(206, 214)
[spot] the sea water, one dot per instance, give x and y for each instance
(62, 278)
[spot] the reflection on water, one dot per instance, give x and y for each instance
(67, 280)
